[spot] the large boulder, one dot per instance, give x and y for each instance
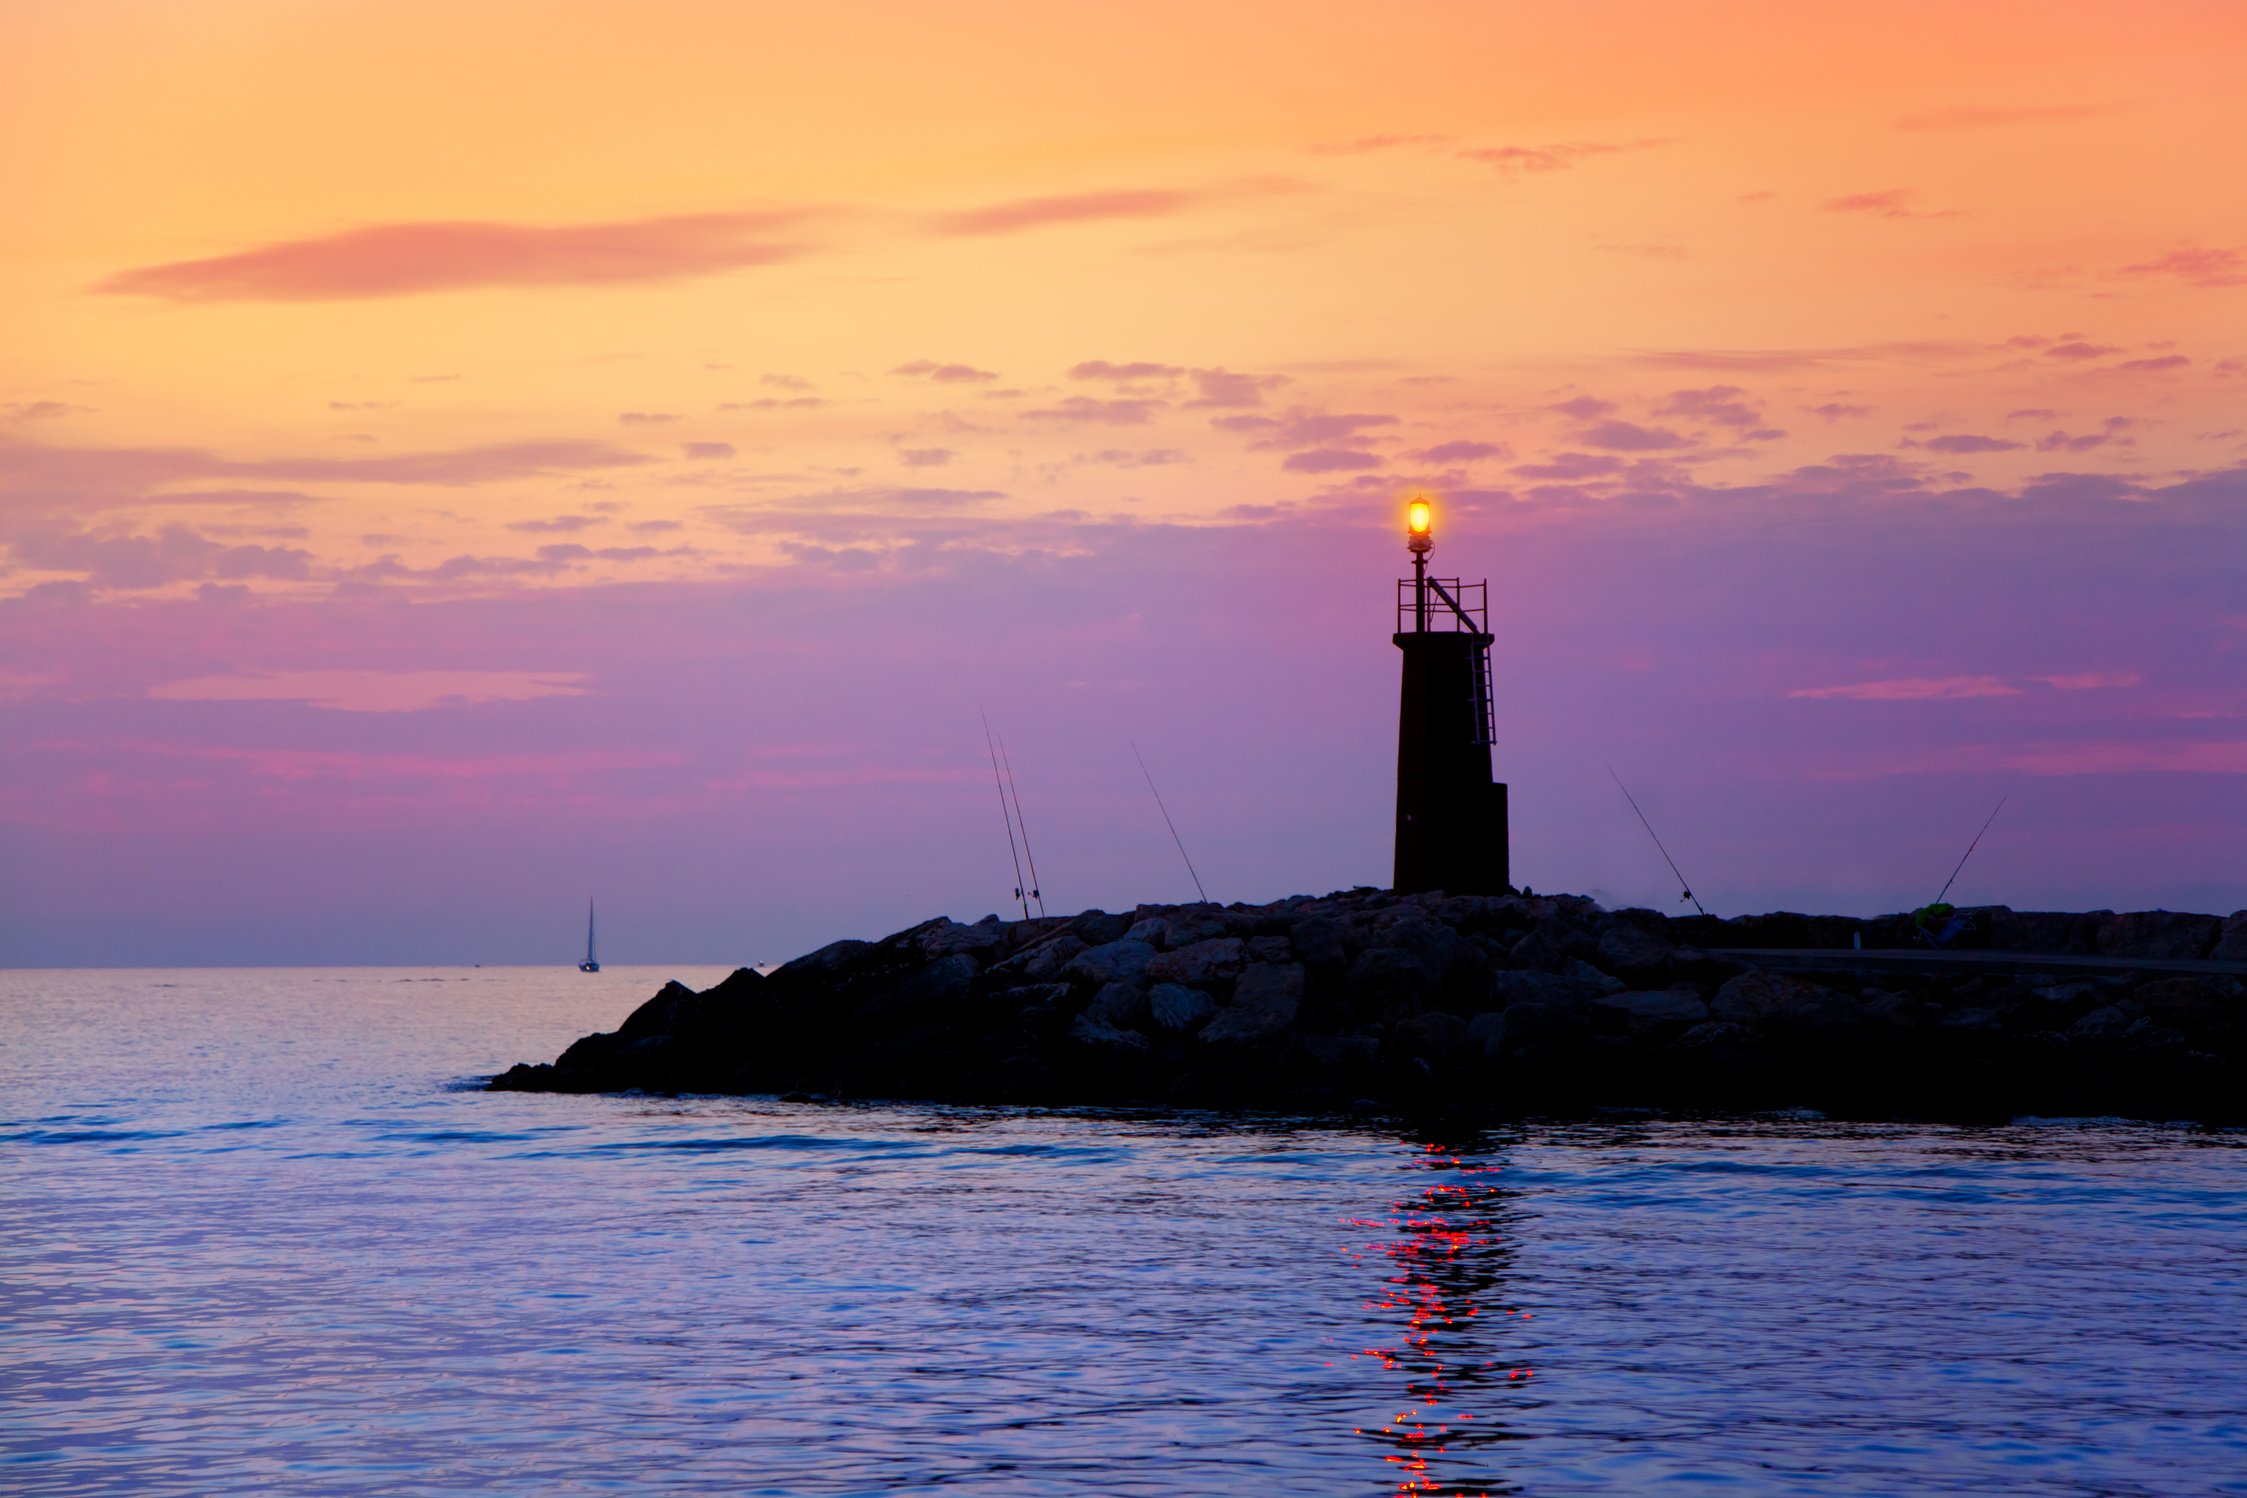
(2051, 931)
(1654, 1009)
(1178, 1008)
(1110, 962)
(1044, 960)
(1212, 960)
(942, 938)
(1266, 1002)
(1634, 954)
(2231, 939)
(1524, 1027)
(823, 965)
(920, 995)
(2170, 934)
(1779, 1002)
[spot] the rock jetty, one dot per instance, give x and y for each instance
(1495, 1006)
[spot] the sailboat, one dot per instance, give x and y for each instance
(591, 964)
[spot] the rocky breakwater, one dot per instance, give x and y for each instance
(1494, 1005)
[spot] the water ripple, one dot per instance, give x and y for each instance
(303, 1262)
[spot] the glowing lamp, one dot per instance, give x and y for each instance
(1419, 520)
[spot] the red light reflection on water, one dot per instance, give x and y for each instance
(1445, 1255)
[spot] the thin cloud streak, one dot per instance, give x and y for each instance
(384, 260)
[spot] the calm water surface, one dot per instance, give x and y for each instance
(259, 1235)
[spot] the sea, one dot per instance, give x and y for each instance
(262, 1232)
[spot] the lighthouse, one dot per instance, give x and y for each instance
(1451, 816)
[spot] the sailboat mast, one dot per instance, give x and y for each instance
(589, 957)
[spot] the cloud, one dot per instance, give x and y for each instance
(122, 559)
(1584, 407)
(1366, 143)
(558, 525)
(406, 259)
(1223, 387)
(1032, 213)
(925, 457)
(1084, 408)
(1301, 426)
(1151, 457)
(1914, 689)
(2154, 365)
(362, 405)
(775, 403)
(98, 469)
(945, 374)
(1514, 161)
(1966, 442)
(2089, 681)
(1778, 359)
(784, 381)
(1893, 202)
(644, 418)
(1461, 452)
(40, 410)
(1984, 117)
(2077, 349)
(375, 691)
(1723, 405)
(1628, 437)
(2197, 267)
(1838, 411)
(1101, 369)
(1330, 460)
(707, 451)
(1571, 466)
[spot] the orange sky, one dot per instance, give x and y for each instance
(1653, 178)
(323, 312)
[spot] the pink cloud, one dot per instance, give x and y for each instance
(375, 691)
(1330, 460)
(1034, 213)
(945, 374)
(1628, 437)
(1366, 143)
(1302, 426)
(1914, 689)
(1513, 161)
(1084, 408)
(1892, 202)
(2197, 267)
(1959, 443)
(111, 468)
(406, 259)
(2089, 681)
(1102, 369)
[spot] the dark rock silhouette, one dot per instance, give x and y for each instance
(1497, 1005)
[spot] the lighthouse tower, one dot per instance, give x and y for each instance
(1451, 817)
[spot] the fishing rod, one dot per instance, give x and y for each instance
(1167, 822)
(1019, 821)
(1007, 816)
(1970, 847)
(1650, 832)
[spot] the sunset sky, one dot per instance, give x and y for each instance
(460, 458)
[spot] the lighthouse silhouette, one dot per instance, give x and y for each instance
(1451, 816)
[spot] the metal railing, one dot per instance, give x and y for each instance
(1454, 606)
